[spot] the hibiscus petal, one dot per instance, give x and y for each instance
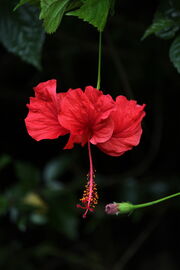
(46, 90)
(127, 114)
(102, 103)
(42, 119)
(102, 131)
(72, 140)
(117, 146)
(75, 111)
(92, 93)
(127, 127)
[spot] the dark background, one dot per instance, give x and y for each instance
(54, 236)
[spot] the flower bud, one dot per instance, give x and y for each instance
(112, 209)
(119, 208)
(125, 207)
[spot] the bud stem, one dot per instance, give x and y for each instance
(127, 207)
(136, 206)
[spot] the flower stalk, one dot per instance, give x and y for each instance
(126, 207)
(99, 61)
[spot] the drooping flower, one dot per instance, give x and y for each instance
(89, 117)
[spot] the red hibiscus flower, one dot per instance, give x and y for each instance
(89, 117)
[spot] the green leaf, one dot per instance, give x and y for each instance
(52, 12)
(94, 12)
(161, 25)
(74, 5)
(22, 2)
(168, 33)
(174, 53)
(166, 20)
(21, 32)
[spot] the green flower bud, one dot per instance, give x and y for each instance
(125, 207)
(119, 208)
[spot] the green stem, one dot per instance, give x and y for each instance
(136, 206)
(99, 61)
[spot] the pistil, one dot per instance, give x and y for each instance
(90, 196)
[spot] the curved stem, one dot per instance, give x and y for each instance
(136, 206)
(99, 61)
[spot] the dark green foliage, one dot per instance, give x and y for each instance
(4, 161)
(162, 27)
(174, 53)
(4, 205)
(28, 175)
(165, 25)
(27, 206)
(21, 32)
(94, 12)
(166, 22)
(22, 2)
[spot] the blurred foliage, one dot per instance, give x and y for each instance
(27, 203)
(21, 32)
(44, 207)
(166, 25)
(24, 38)
(40, 226)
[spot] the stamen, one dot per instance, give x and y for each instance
(89, 201)
(90, 196)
